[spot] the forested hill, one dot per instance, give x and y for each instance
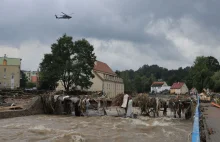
(204, 73)
(141, 80)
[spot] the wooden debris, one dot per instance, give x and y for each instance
(118, 100)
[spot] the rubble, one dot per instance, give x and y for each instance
(60, 103)
(118, 100)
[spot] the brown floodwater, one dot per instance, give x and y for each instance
(46, 128)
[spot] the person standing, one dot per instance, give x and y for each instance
(130, 107)
(125, 103)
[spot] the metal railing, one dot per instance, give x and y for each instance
(196, 131)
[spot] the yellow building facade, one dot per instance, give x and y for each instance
(9, 72)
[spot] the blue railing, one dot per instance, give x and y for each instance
(196, 132)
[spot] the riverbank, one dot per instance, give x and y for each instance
(31, 107)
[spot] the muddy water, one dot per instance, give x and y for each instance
(46, 128)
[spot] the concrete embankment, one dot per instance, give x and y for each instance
(34, 107)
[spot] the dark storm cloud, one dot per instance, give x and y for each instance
(194, 21)
(123, 20)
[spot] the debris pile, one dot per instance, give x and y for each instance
(9, 92)
(141, 101)
(56, 104)
(118, 100)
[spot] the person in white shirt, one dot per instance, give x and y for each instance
(129, 108)
(125, 103)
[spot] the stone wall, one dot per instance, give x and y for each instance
(35, 107)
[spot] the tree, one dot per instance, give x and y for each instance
(30, 85)
(71, 62)
(49, 75)
(216, 80)
(199, 75)
(85, 59)
(23, 80)
(202, 71)
(199, 72)
(213, 64)
(149, 74)
(138, 84)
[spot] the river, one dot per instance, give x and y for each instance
(46, 128)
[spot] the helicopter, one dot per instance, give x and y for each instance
(64, 16)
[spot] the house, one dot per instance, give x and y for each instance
(10, 72)
(179, 88)
(31, 76)
(105, 81)
(193, 91)
(159, 87)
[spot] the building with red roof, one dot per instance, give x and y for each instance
(105, 80)
(159, 86)
(179, 88)
(104, 68)
(193, 91)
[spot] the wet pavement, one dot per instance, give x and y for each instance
(212, 117)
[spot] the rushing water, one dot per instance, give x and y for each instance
(94, 129)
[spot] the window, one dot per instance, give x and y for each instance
(12, 76)
(4, 76)
(4, 69)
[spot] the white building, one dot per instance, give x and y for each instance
(105, 81)
(158, 87)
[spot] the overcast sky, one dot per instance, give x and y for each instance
(126, 34)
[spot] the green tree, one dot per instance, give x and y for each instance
(49, 75)
(149, 74)
(213, 64)
(138, 84)
(216, 80)
(23, 80)
(202, 71)
(71, 62)
(30, 85)
(199, 75)
(84, 62)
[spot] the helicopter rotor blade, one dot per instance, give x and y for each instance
(64, 13)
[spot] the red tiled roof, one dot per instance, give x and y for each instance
(157, 84)
(103, 67)
(177, 85)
